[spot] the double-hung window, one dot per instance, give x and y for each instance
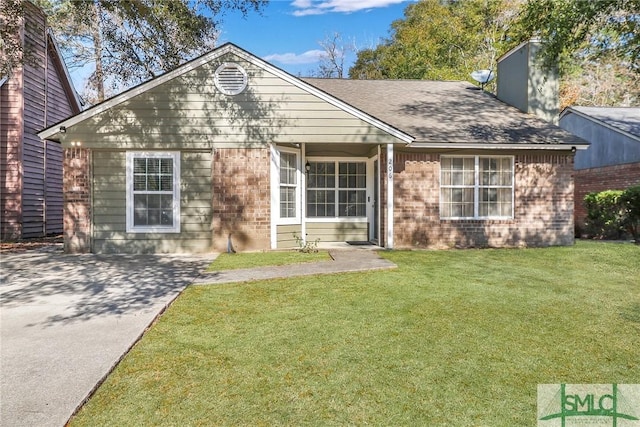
(289, 193)
(337, 189)
(153, 192)
(476, 187)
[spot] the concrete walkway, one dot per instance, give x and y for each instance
(344, 261)
(67, 320)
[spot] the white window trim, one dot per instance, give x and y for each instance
(477, 186)
(337, 160)
(175, 228)
(276, 186)
(337, 219)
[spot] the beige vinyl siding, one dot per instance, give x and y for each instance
(337, 231)
(325, 231)
(285, 237)
(190, 112)
(109, 207)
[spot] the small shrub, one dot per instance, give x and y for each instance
(605, 214)
(307, 247)
(630, 201)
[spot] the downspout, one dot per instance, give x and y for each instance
(303, 186)
(390, 208)
(91, 199)
(45, 119)
(378, 212)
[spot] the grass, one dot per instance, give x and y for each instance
(227, 261)
(449, 338)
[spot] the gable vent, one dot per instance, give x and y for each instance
(230, 79)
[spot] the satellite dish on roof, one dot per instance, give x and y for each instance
(483, 76)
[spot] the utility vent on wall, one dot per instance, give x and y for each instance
(230, 79)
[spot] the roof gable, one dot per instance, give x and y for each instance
(624, 120)
(63, 73)
(227, 49)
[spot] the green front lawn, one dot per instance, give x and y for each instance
(227, 261)
(449, 338)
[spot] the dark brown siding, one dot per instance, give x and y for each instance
(36, 96)
(11, 157)
(33, 156)
(58, 108)
(53, 195)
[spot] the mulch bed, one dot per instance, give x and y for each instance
(51, 243)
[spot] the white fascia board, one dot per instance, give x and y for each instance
(2, 80)
(229, 47)
(497, 146)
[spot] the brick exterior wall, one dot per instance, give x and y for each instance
(618, 177)
(543, 211)
(241, 198)
(77, 200)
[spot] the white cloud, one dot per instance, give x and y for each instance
(308, 57)
(320, 7)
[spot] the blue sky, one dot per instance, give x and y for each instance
(288, 32)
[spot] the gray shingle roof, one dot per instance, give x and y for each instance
(623, 118)
(444, 111)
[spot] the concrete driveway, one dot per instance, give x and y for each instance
(66, 320)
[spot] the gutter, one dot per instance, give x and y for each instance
(501, 146)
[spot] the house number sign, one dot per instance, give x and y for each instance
(390, 169)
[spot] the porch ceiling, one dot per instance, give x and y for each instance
(341, 150)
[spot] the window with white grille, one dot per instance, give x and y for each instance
(153, 192)
(230, 79)
(476, 187)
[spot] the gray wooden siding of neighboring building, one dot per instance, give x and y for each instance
(109, 207)
(608, 147)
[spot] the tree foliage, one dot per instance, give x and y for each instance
(440, 40)
(584, 29)
(11, 49)
(595, 44)
(129, 41)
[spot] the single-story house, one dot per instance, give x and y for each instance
(612, 161)
(37, 94)
(228, 148)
